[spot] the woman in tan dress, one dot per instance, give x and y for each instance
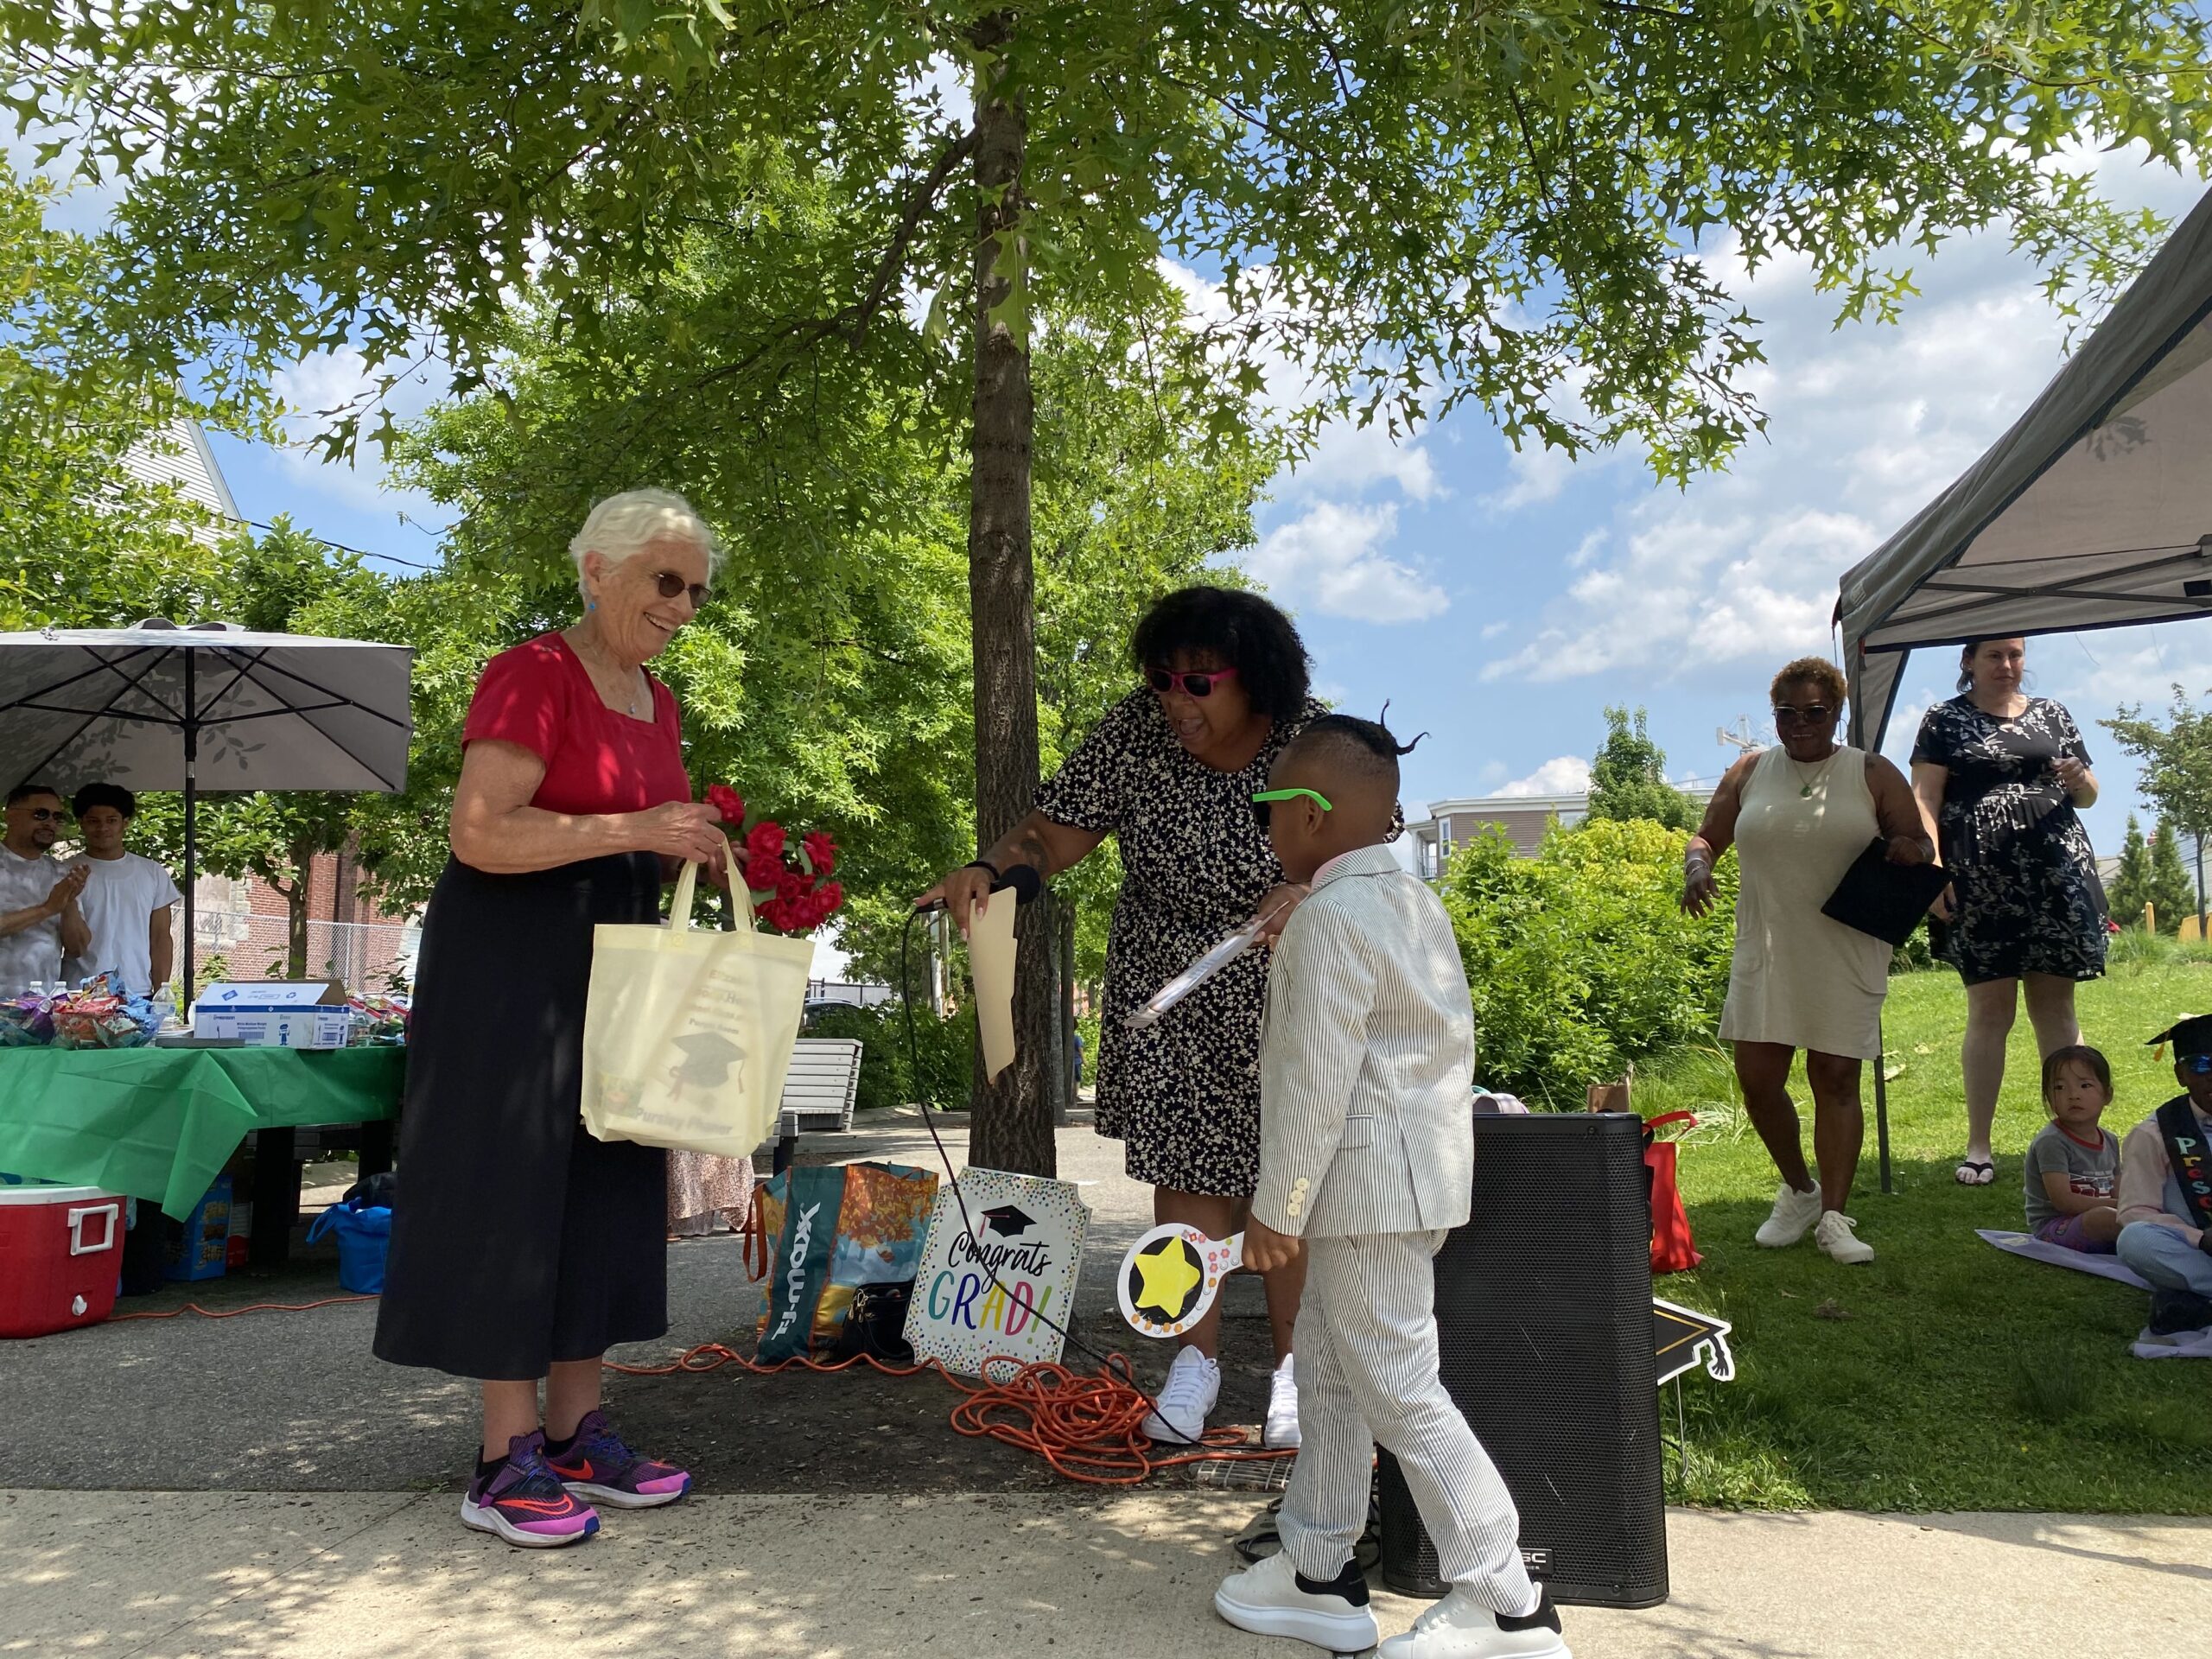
(1798, 814)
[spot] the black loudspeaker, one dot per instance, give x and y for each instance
(1543, 1317)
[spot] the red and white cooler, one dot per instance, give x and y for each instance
(60, 1253)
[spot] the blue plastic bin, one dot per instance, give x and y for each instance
(363, 1234)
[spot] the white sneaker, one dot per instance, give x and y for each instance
(1281, 1427)
(1792, 1217)
(1185, 1402)
(1834, 1235)
(1269, 1601)
(1459, 1627)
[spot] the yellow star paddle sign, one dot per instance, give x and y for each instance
(1170, 1275)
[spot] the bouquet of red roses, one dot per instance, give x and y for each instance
(791, 884)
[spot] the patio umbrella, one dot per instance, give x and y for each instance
(205, 707)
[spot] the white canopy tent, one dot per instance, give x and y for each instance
(2094, 511)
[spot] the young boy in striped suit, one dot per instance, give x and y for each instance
(1366, 1162)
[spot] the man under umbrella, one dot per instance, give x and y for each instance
(40, 921)
(127, 897)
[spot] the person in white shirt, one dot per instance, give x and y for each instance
(126, 900)
(39, 920)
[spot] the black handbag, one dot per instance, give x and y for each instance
(1885, 899)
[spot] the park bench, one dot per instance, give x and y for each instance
(818, 1092)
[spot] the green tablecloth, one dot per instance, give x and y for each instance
(160, 1123)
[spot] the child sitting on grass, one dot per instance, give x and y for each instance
(2073, 1167)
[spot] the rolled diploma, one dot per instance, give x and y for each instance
(1196, 974)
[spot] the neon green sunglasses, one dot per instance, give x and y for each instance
(1266, 798)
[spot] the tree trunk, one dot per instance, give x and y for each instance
(1013, 1127)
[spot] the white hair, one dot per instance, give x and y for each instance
(621, 525)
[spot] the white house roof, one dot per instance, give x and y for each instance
(180, 457)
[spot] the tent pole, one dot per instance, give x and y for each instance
(1881, 1108)
(191, 822)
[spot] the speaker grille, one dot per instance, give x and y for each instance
(1543, 1313)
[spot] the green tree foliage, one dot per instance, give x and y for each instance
(1579, 959)
(2129, 890)
(2173, 895)
(2177, 757)
(1628, 780)
(82, 541)
(1420, 205)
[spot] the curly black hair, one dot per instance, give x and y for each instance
(114, 795)
(1243, 630)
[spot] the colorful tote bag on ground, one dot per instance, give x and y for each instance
(1672, 1249)
(688, 1032)
(842, 1245)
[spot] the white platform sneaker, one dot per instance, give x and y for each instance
(1280, 1429)
(1185, 1402)
(1459, 1627)
(1794, 1216)
(1271, 1599)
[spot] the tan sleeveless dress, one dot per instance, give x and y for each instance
(1798, 978)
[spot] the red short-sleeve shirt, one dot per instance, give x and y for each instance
(597, 758)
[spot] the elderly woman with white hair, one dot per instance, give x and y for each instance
(522, 1247)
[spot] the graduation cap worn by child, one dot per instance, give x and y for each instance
(2192, 1037)
(2165, 1189)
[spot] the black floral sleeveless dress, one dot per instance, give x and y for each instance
(2025, 879)
(1183, 1096)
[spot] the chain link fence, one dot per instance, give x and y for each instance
(371, 957)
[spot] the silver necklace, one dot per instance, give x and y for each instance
(635, 675)
(1805, 785)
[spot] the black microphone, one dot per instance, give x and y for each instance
(1025, 882)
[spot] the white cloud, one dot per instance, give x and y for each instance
(1866, 424)
(1563, 774)
(1329, 556)
(314, 389)
(1540, 474)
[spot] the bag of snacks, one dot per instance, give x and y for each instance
(26, 1021)
(100, 1015)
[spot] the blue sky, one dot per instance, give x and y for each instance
(1501, 600)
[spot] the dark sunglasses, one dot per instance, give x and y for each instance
(1263, 803)
(1199, 685)
(671, 585)
(1811, 715)
(49, 815)
(2199, 1063)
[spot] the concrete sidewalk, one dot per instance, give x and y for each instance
(337, 1576)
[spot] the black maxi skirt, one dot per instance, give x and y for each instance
(517, 1239)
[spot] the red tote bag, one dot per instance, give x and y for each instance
(1672, 1249)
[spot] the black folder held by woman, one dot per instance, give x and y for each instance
(1882, 898)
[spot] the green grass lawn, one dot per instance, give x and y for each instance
(1944, 1376)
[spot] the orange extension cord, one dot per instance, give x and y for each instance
(1084, 1425)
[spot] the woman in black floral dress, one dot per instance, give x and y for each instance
(1170, 773)
(1999, 775)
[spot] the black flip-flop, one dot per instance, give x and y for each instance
(1973, 1171)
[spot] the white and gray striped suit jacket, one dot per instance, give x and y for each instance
(1367, 1060)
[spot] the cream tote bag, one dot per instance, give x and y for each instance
(687, 1031)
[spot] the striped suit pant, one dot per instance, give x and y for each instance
(1366, 1375)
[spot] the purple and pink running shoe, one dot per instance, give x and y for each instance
(525, 1502)
(599, 1467)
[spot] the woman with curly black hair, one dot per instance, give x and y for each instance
(1170, 773)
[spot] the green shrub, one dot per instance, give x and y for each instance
(943, 1051)
(1579, 960)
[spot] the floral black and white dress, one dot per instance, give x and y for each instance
(2025, 877)
(1182, 1095)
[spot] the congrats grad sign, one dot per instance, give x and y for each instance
(1007, 1289)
